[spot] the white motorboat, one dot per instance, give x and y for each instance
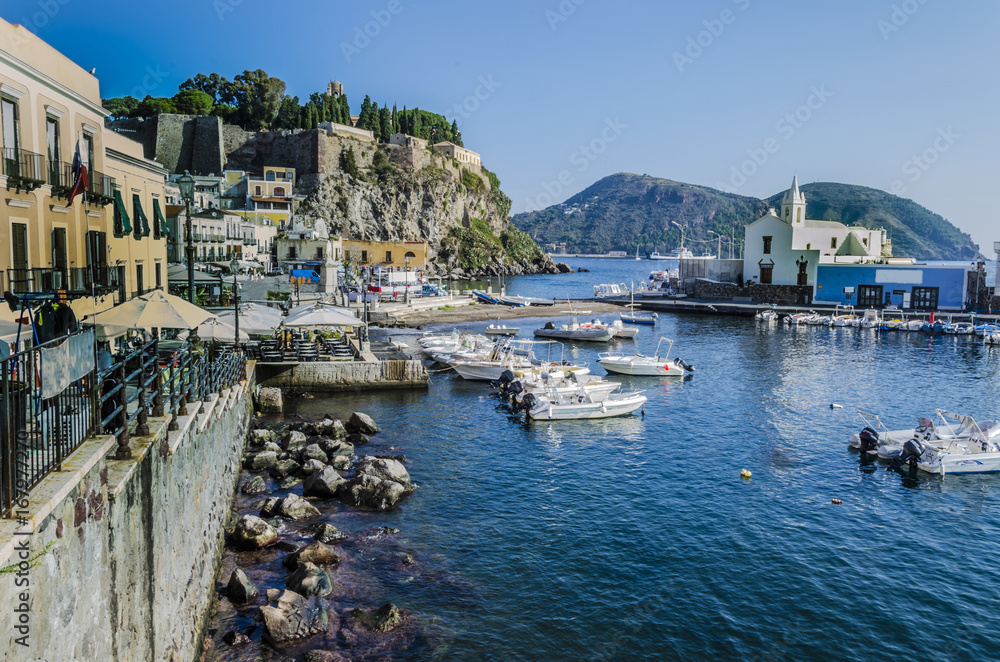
(579, 404)
(515, 387)
(767, 315)
(516, 355)
(639, 365)
(877, 438)
(992, 339)
(843, 316)
(610, 290)
(871, 319)
(622, 331)
(978, 452)
(799, 318)
(594, 331)
(501, 330)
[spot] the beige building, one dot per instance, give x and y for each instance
(460, 154)
(399, 254)
(47, 104)
(404, 140)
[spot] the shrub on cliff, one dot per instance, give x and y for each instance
(518, 246)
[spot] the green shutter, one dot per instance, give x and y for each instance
(159, 221)
(122, 223)
(141, 222)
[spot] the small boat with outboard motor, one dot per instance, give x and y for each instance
(640, 365)
(594, 331)
(497, 329)
(902, 447)
(578, 404)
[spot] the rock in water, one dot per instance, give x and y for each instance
(271, 400)
(253, 533)
(385, 619)
(323, 484)
(294, 441)
(358, 439)
(255, 485)
(262, 461)
(295, 617)
(295, 507)
(386, 469)
(314, 452)
(240, 588)
(284, 468)
(328, 533)
(360, 422)
(315, 552)
(311, 467)
(341, 463)
(324, 656)
(233, 638)
(336, 447)
(310, 580)
(371, 492)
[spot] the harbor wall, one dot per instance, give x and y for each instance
(344, 376)
(122, 554)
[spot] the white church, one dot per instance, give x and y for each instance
(787, 249)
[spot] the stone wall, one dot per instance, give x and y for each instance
(135, 544)
(349, 376)
(787, 294)
(714, 290)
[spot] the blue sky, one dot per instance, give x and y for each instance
(733, 94)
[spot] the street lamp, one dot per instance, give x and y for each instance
(682, 234)
(186, 184)
(234, 266)
(718, 248)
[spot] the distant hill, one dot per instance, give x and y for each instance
(625, 211)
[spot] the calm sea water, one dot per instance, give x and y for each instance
(636, 539)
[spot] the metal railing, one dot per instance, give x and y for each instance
(37, 434)
(24, 170)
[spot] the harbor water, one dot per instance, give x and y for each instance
(636, 538)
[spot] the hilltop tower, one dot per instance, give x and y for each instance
(793, 205)
(335, 89)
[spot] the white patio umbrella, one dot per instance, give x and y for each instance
(217, 329)
(321, 314)
(153, 310)
(259, 320)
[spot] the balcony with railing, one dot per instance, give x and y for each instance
(75, 281)
(25, 170)
(101, 188)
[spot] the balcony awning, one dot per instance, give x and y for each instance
(122, 223)
(141, 222)
(159, 220)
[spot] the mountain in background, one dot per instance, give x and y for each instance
(629, 212)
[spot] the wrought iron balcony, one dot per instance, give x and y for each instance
(25, 170)
(60, 177)
(75, 281)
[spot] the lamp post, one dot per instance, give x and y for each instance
(718, 247)
(234, 266)
(682, 234)
(186, 184)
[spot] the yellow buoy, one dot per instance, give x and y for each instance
(744, 473)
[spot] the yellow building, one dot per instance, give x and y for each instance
(464, 156)
(398, 254)
(47, 104)
(269, 196)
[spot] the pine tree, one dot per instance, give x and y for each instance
(417, 126)
(456, 135)
(385, 123)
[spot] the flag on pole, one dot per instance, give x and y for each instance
(79, 171)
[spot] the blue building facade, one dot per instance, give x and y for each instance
(911, 286)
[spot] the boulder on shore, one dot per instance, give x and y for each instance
(295, 507)
(295, 617)
(315, 552)
(294, 441)
(253, 533)
(386, 469)
(328, 533)
(313, 452)
(270, 400)
(370, 491)
(310, 580)
(323, 483)
(256, 485)
(361, 422)
(240, 588)
(261, 461)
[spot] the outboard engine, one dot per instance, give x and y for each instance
(527, 403)
(513, 390)
(549, 325)
(912, 450)
(686, 366)
(506, 377)
(869, 440)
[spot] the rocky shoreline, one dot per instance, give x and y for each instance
(292, 585)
